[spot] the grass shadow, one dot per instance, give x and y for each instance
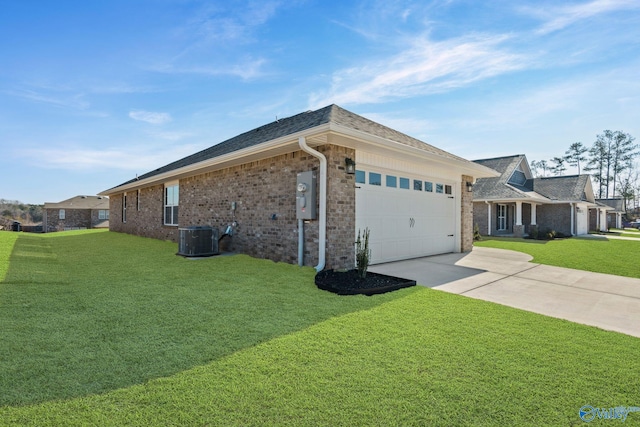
(85, 313)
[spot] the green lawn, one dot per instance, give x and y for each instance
(619, 257)
(100, 328)
(626, 232)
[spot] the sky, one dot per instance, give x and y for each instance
(93, 93)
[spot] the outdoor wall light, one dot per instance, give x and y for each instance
(469, 186)
(350, 166)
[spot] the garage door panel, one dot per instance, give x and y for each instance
(405, 223)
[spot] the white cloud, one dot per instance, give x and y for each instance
(426, 67)
(134, 158)
(76, 101)
(246, 69)
(563, 16)
(150, 117)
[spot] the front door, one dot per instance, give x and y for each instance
(502, 217)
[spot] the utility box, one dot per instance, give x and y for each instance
(306, 195)
(198, 241)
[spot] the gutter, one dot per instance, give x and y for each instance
(322, 226)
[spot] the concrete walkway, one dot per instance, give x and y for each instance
(508, 278)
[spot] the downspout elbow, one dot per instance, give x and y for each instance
(322, 225)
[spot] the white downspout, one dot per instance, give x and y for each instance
(322, 225)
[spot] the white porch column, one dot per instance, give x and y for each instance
(533, 214)
(573, 213)
(603, 220)
(518, 212)
(488, 218)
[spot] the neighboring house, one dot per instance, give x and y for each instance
(412, 196)
(76, 213)
(517, 204)
(614, 214)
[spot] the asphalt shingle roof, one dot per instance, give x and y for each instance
(562, 187)
(552, 188)
(80, 202)
(497, 188)
(294, 124)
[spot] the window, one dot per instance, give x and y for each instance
(138, 201)
(171, 197)
(428, 186)
(392, 181)
(61, 214)
(404, 183)
(124, 207)
(417, 185)
(103, 214)
(375, 178)
(447, 189)
(360, 177)
(439, 188)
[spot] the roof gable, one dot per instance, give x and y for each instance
(516, 182)
(80, 202)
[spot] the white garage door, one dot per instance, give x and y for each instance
(408, 216)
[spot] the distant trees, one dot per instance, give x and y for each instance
(610, 160)
(558, 166)
(13, 210)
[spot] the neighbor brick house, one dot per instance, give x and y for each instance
(515, 203)
(76, 213)
(615, 210)
(413, 196)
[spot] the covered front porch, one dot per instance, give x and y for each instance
(510, 218)
(520, 218)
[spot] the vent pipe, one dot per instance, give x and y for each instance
(322, 225)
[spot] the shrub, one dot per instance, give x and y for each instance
(363, 253)
(476, 232)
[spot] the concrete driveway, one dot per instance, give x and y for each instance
(508, 278)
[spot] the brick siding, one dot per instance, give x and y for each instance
(466, 235)
(74, 218)
(265, 197)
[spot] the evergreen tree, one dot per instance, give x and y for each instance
(576, 154)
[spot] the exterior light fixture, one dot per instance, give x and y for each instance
(350, 166)
(469, 186)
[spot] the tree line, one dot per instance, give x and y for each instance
(13, 210)
(612, 161)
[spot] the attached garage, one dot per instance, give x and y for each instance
(409, 214)
(412, 196)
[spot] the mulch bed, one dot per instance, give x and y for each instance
(349, 283)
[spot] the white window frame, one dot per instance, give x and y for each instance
(62, 214)
(171, 203)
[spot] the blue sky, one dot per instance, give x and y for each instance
(94, 92)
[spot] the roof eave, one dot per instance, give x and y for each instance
(284, 144)
(467, 167)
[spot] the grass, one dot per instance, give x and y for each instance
(626, 232)
(619, 257)
(109, 329)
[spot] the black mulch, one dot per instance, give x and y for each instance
(349, 283)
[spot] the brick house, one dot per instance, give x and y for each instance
(615, 210)
(517, 204)
(78, 212)
(413, 196)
